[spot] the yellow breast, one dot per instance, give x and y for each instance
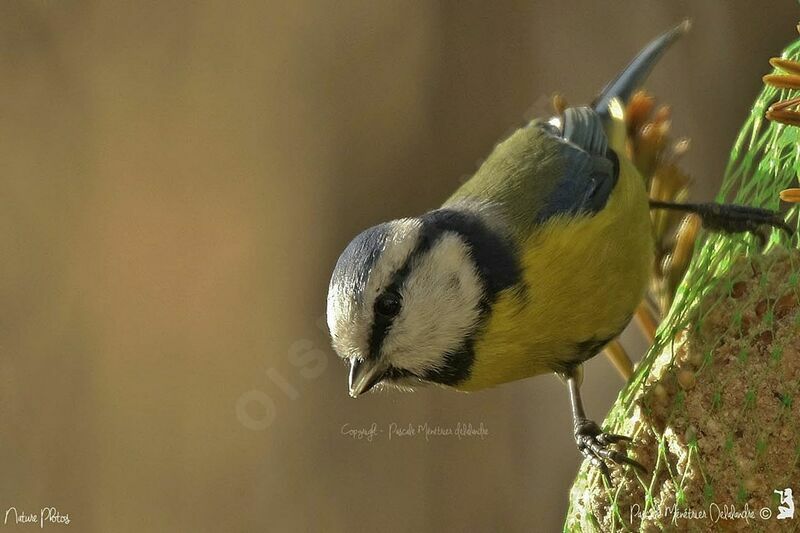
(585, 277)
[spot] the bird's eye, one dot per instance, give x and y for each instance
(388, 304)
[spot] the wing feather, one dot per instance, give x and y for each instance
(590, 169)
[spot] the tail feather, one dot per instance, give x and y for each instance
(631, 78)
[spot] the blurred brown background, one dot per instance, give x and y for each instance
(177, 182)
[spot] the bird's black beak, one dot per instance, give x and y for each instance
(364, 375)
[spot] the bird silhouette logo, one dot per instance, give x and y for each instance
(786, 504)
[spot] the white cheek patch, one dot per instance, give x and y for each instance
(441, 307)
(350, 321)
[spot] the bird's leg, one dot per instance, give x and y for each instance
(730, 218)
(591, 440)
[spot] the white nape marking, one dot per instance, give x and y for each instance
(350, 324)
(441, 307)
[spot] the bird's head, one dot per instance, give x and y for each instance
(406, 298)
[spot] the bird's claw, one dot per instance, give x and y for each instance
(592, 443)
(728, 218)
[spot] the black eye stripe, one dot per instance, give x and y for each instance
(381, 324)
(497, 266)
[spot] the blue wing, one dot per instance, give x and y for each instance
(545, 170)
(590, 169)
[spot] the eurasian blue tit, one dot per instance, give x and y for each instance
(530, 267)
